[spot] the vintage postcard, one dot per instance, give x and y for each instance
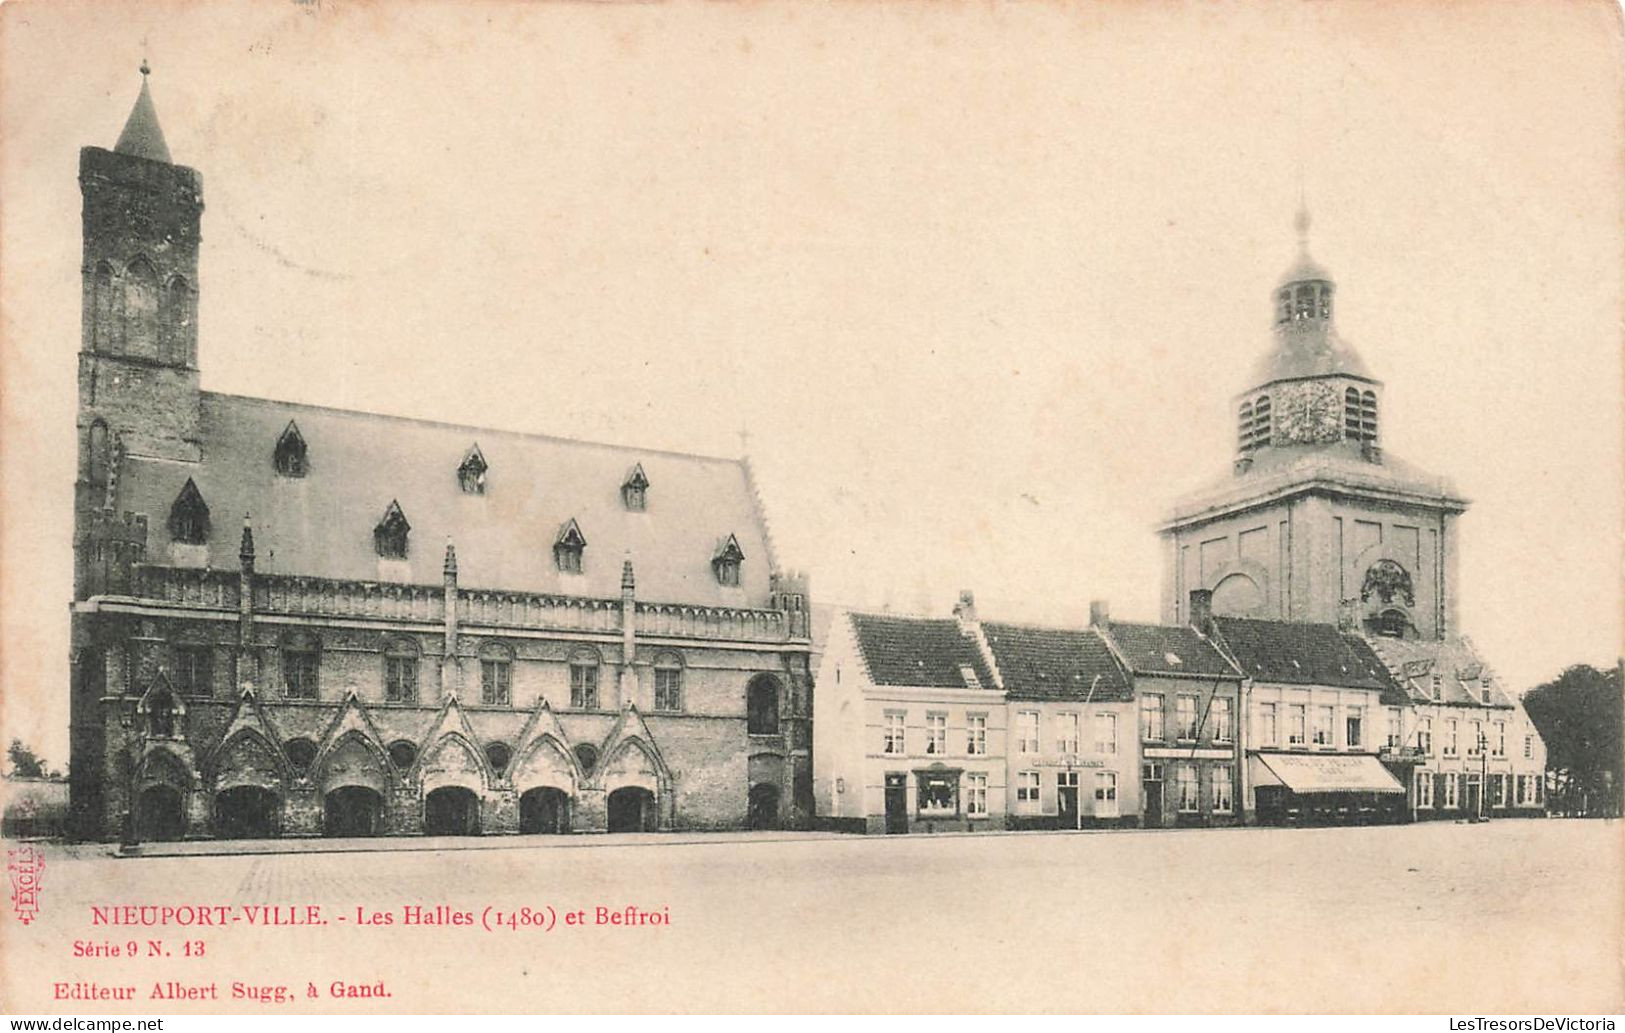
(878, 507)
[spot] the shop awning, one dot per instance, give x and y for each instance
(1319, 773)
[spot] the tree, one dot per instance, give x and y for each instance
(1580, 717)
(24, 762)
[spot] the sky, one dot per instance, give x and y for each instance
(979, 280)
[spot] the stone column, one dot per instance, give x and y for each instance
(628, 687)
(450, 669)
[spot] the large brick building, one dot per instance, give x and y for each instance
(292, 620)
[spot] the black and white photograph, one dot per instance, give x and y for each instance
(775, 508)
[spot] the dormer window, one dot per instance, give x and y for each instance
(471, 474)
(290, 456)
(635, 492)
(389, 537)
(725, 564)
(189, 516)
(568, 547)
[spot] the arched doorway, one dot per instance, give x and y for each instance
(764, 806)
(246, 812)
(451, 811)
(160, 814)
(545, 810)
(352, 811)
(632, 809)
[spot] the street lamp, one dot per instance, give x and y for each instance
(1484, 771)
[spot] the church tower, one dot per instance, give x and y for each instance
(138, 377)
(1316, 521)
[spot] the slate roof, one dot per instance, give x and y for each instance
(321, 525)
(1413, 662)
(918, 651)
(1302, 653)
(1168, 649)
(1055, 663)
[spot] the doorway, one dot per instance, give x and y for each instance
(896, 804)
(632, 809)
(764, 806)
(246, 812)
(451, 811)
(544, 811)
(1152, 789)
(160, 814)
(1066, 799)
(353, 811)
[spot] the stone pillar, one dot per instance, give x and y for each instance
(450, 670)
(591, 811)
(628, 687)
(499, 813)
(302, 810)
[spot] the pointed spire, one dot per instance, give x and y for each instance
(450, 568)
(628, 581)
(142, 137)
(246, 552)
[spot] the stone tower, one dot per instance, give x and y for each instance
(138, 377)
(1316, 521)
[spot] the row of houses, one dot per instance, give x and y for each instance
(938, 724)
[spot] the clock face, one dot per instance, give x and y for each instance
(1306, 414)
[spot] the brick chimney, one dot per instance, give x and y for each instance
(1201, 609)
(1100, 613)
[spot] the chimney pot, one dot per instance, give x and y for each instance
(965, 609)
(1100, 613)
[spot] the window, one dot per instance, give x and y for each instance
(1105, 733)
(1484, 691)
(668, 684)
(976, 735)
(194, 671)
(967, 674)
(189, 516)
(1424, 789)
(1540, 786)
(289, 456)
(1500, 739)
(1221, 790)
(301, 667)
(1368, 417)
(1390, 624)
(1450, 738)
(568, 547)
(471, 474)
(1027, 731)
(141, 309)
(1105, 787)
(725, 563)
(1498, 790)
(937, 794)
(498, 755)
(635, 490)
(976, 795)
(1352, 721)
(762, 706)
(1294, 724)
(1323, 726)
(389, 537)
(1067, 734)
(1151, 718)
(1436, 687)
(302, 754)
(1027, 787)
(1424, 736)
(496, 682)
(402, 754)
(1185, 716)
(1351, 414)
(400, 673)
(1189, 788)
(936, 734)
(1244, 427)
(1475, 738)
(587, 757)
(1394, 735)
(1450, 791)
(1528, 747)
(584, 680)
(1224, 728)
(1266, 724)
(895, 739)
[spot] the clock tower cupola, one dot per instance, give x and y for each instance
(1311, 389)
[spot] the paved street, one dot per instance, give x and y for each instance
(1511, 916)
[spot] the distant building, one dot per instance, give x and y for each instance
(294, 620)
(1318, 523)
(957, 724)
